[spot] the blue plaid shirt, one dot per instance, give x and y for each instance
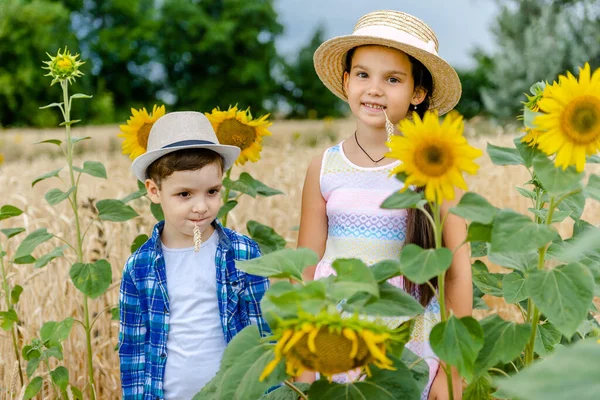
(144, 308)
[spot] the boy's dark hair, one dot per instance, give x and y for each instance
(183, 160)
(418, 228)
(421, 76)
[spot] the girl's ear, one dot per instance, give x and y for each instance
(153, 191)
(419, 95)
(345, 83)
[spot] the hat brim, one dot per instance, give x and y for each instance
(329, 65)
(141, 163)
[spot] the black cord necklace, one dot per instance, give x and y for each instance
(367, 154)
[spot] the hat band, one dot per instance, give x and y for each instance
(386, 32)
(188, 143)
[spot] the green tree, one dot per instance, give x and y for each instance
(219, 52)
(29, 29)
(473, 82)
(537, 40)
(303, 91)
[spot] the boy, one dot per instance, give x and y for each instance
(181, 302)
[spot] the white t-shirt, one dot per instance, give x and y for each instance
(195, 343)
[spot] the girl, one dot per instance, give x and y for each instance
(388, 66)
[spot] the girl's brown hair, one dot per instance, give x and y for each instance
(418, 228)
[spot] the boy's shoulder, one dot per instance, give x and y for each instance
(144, 257)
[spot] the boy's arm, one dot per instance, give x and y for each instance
(132, 336)
(255, 289)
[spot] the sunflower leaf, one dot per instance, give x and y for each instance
(266, 237)
(555, 180)
(9, 211)
(33, 240)
(489, 283)
(516, 233)
(46, 176)
(157, 211)
(513, 287)
(479, 232)
(239, 186)
(352, 276)
(592, 190)
(458, 342)
(93, 168)
(285, 263)
(504, 155)
(392, 302)
(260, 188)
(138, 242)
(573, 370)
(226, 208)
(405, 199)
(421, 265)
(92, 279)
(563, 294)
(55, 196)
(386, 269)
(476, 208)
(115, 210)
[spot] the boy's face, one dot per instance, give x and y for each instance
(188, 198)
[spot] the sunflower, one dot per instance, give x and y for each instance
(570, 118)
(63, 67)
(137, 130)
(332, 344)
(531, 137)
(237, 128)
(433, 155)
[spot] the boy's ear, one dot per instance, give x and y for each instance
(419, 95)
(345, 82)
(153, 191)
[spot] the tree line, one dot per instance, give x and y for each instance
(192, 54)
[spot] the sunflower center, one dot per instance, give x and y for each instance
(581, 119)
(235, 133)
(142, 135)
(433, 159)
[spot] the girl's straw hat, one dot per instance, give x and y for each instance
(400, 31)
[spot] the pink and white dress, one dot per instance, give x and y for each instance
(359, 228)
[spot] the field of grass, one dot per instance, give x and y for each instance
(48, 292)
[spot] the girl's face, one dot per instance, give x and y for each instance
(380, 78)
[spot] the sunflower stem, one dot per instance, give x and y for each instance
(226, 197)
(295, 389)
(74, 183)
(535, 316)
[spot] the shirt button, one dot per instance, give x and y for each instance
(163, 355)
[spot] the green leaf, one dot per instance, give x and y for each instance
(479, 233)
(557, 215)
(556, 180)
(260, 188)
(15, 294)
(386, 269)
(81, 96)
(392, 302)
(33, 240)
(266, 237)
(489, 283)
(32, 366)
(518, 261)
(405, 199)
(54, 333)
(285, 393)
(352, 276)
(420, 265)
(138, 242)
(10, 232)
(516, 233)
(572, 372)
(457, 342)
(114, 210)
(563, 294)
(34, 386)
(479, 249)
(244, 359)
(55, 196)
(51, 141)
(93, 168)
(240, 186)
(226, 208)
(546, 337)
(75, 139)
(286, 263)
(47, 175)
(418, 367)
(382, 385)
(503, 342)
(60, 377)
(504, 155)
(528, 194)
(134, 195)
(46, 258)
(479, 389)
(91, 279)
(157, 211)
(9, 211)
(513, 287)
(54, 351)
(585, 242)
(51, 105)
(475, 208)
(8, 318)
(527, 152)
(592, 189)
(69, 123)
(574, 204)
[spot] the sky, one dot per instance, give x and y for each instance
(460, 25)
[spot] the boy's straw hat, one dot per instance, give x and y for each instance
(400, 31)
(179, 131)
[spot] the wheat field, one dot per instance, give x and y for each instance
(48, 292)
